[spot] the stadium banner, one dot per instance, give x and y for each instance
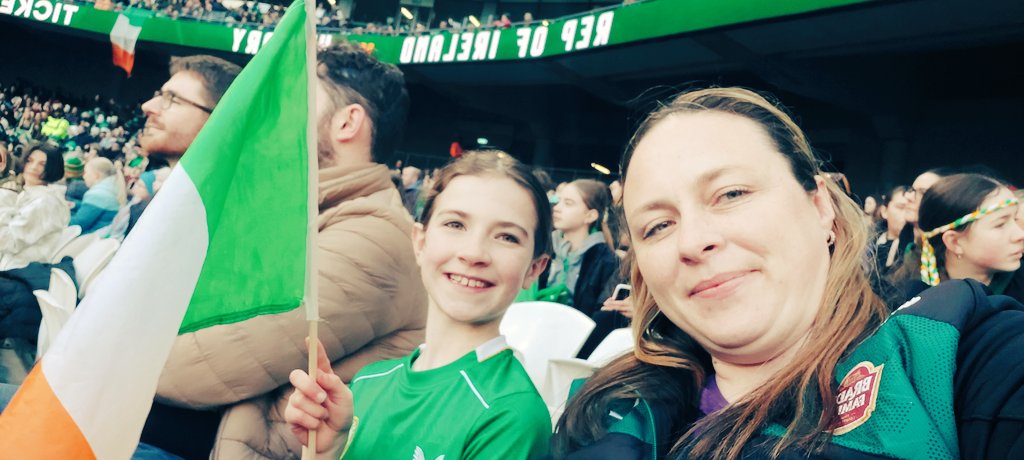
(570, 34)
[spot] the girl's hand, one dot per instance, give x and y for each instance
(323, 404)
(624, 307)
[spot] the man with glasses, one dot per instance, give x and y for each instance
(180, 108)
(174, 116)
(176, 113)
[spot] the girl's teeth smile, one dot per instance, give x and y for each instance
(462, 280)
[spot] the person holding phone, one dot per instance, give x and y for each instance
(619, 301)
(615, 313)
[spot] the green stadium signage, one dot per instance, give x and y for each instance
(575, 34)
(40, 10)
(579, 33)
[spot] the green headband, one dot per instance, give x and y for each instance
(929, 268)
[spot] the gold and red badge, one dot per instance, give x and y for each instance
(857, 395)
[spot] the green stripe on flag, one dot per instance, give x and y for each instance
(250, 166)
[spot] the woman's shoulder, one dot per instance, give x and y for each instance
(635, 429)
(954, 350)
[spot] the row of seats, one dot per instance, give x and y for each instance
(547, 336)
(90, 255)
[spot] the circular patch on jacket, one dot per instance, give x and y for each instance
(857, 395)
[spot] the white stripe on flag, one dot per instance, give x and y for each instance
(130, 319)
(124, 34)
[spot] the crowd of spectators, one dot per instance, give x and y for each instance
(328, 15)
(251, 13)
(79, 128)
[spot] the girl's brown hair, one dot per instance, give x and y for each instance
(596, 196)
(667, 362)
(497, 163)
(949, 199)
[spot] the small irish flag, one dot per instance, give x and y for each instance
(125, 33)
(224, 240)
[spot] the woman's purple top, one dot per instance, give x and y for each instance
(711, 399)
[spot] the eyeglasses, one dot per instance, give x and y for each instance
(168, 97)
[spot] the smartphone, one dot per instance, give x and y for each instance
(622, 292)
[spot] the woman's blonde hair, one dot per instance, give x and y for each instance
(670, 367)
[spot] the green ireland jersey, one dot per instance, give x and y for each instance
(482, 406)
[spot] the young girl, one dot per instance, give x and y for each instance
(969, 232)
(584, 260)
(484, 235)
(584, 257)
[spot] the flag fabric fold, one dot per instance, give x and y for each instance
(223, 241)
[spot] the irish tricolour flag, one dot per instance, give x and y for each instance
(124, 34)
(224, 240)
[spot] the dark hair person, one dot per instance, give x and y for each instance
(41, 164)
(8, 180)
(907, 268)
(757, 333)
(970, 230)
(353, 76)
(893, 214)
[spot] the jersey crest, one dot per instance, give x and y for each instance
(857, 395)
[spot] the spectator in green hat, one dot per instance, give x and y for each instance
(73, 169)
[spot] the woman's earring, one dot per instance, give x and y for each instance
(831, 238)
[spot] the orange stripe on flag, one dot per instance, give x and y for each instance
(44, 428)
(124, 59)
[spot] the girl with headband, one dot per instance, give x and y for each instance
(757, 333)
(969, 231)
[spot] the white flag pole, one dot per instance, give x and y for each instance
(311, 300)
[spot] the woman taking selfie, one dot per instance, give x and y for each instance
(757, 332)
